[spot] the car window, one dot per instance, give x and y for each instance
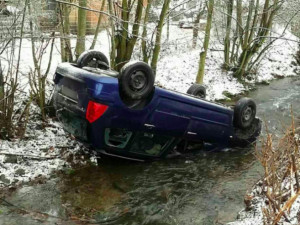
(117, 137)
(150, 144)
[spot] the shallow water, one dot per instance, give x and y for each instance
(202, 188)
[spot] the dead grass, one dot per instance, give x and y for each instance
(280, 159)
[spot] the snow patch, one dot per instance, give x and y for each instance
(41, 152)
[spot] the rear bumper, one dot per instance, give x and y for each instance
(73, 124)
(71, 116)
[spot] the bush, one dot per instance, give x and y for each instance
(281, 180)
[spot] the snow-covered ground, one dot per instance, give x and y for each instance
(253, 215)
(45, 150)
(257, 200)
(40, 153)
(178, 63)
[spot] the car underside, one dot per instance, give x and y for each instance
(123, 114)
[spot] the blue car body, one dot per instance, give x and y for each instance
(167, 114)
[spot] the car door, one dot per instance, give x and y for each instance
(169, 118)
(209, 124)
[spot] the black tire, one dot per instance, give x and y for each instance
(197, 90)
(93, 59)
(136, 80)
(244, 113)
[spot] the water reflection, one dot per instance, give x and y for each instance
(196, 188)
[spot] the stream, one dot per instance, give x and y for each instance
(206, 187)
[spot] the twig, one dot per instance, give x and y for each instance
(274, 204)
(85, 8)
(296, 173)
(30, 156)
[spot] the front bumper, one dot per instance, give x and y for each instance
(244, 137)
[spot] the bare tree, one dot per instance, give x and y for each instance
(197, 24)
(227, 35)
(9, 79)
(112, 36)
(1, 91)
(255, 32)
(81, 28)
(37, 77)
(66, 51)
(98, 25)
(158, 34)
(200, 74)
(145, 48)
(126, 40)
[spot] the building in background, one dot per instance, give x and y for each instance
(92, 17)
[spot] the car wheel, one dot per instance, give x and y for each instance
(92, 58)
(244, 113)
(136, 80)
(197, 90)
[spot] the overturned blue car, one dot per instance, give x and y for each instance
(124, 114)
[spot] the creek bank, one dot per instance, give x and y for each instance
(178, 65)
(43, 150)
(276, 197)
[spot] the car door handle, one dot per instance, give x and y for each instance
(192, 133)
(149, 125)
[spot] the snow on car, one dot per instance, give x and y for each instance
(123, 114)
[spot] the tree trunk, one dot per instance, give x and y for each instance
(98, 26)
(124, 36)
(251, 47)
(254, 22)
(66, 30)
(135, 31)
(235, 46)
(124, 41)
(35, 59)
(158, 34)
(297, 57)
(196, 27)
(203, 54)
(227, 36)
(247, 27)
(239, 11)
(145, 49)
(168, 29)
(62, 39)
(112, 38)
(1, 91)
(81, 29)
